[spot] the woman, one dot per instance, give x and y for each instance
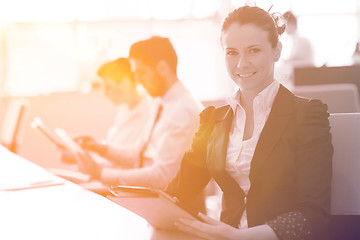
(268, 150)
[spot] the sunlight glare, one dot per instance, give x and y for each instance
(38, 10)
(164, 9)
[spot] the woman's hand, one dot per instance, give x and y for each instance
(212, 229)
(208, 229)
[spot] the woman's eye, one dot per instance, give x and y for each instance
(254, 50)
(231, 53)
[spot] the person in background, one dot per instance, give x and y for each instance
(268, 150)
(136, 112)
(300, 52)
(155, 66)
(297, 52)
(356, 54)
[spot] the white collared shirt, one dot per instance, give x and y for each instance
(240, 152)
(171, 138)
(130, 131)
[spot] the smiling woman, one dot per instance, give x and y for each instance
(268, 150)
(250, 62)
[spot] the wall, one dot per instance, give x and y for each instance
(77, 113)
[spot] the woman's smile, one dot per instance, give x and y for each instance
(246, 75)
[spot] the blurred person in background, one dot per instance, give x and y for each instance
(136, 112)
(269, 151)
(135, 116)
(154, 62)
(297, 51)
(356, 54)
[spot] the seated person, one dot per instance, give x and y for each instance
(297, 51)
(134, 119)
(356, 54)
(155, 67)
(268, 150)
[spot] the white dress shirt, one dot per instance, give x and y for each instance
(170, 139)
(130, 131)
(240, 152)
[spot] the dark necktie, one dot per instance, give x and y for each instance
(144, 147)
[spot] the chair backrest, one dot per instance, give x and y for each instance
(340, 98)
(345, 130)
(327, 75)
(13, 122)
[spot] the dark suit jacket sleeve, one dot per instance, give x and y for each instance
(193, 175)
(314, 153)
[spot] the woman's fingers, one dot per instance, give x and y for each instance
(183, 226)
(191, 227)
(209, 229)
(208, 219)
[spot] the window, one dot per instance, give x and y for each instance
(60, 45)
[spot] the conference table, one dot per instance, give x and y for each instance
(36, 204)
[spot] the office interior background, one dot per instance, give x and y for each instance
(50, 52)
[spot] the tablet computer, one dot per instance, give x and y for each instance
(62, 140)
(37, 123)
(156, 206)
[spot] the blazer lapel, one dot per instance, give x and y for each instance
(274, 127)
(217, 152)
(220, 138)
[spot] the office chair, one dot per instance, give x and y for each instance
(345, 197)
(340, 98)
(14, 118)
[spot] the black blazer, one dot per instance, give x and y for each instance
(290, 171)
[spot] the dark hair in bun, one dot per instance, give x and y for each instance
(273, 23)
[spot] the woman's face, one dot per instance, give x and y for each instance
(249, 57)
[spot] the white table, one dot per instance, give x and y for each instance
(63, 211)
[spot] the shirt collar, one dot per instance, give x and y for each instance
(234, 100)
(266, 97)
(173, 92)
